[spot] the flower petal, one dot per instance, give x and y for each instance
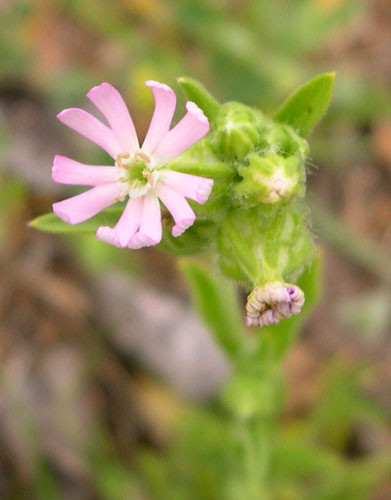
(67, 171)
(111, 104)
(193, 126)
(91, 128)
(125, 228)
(150, 232)
(165, 101)
(178, 207)
(85, 205)
(191, 186)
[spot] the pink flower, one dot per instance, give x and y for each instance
(138, 172)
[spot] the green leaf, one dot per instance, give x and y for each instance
(304, 108)
(216, 301)
(197, 93)
(194, 240)
(50, 223)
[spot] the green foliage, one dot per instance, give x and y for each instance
(216, 302)
(261, 458)
(304, 108)
(112, 479)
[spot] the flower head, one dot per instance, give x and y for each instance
(138, 172)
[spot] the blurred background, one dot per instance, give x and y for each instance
(92, 385)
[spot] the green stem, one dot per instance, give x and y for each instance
(256, 458)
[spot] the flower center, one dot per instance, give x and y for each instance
(139, 173)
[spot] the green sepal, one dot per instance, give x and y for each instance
(196, 92)
(286, 241)
(220, 172)
(237, 240)
(304, 108)
(201, 161)
(265, 243)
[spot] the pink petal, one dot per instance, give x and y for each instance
(165, 101)
(111, 104)
(191, 186)
(67, 171)
(178, 207)
(150, 232)
(125, 228)
(193, 126)
(85, 205)
(91, 128)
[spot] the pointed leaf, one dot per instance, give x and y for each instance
(304, 108)
(196, 92)
(50, 223)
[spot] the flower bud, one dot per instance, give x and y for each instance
(272, 302)
(270, 178)
(237, 131)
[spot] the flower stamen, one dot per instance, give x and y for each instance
(122, 160)
(141, 157)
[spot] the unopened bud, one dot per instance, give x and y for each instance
(270, 178)
(237, 131)
(272, 302)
